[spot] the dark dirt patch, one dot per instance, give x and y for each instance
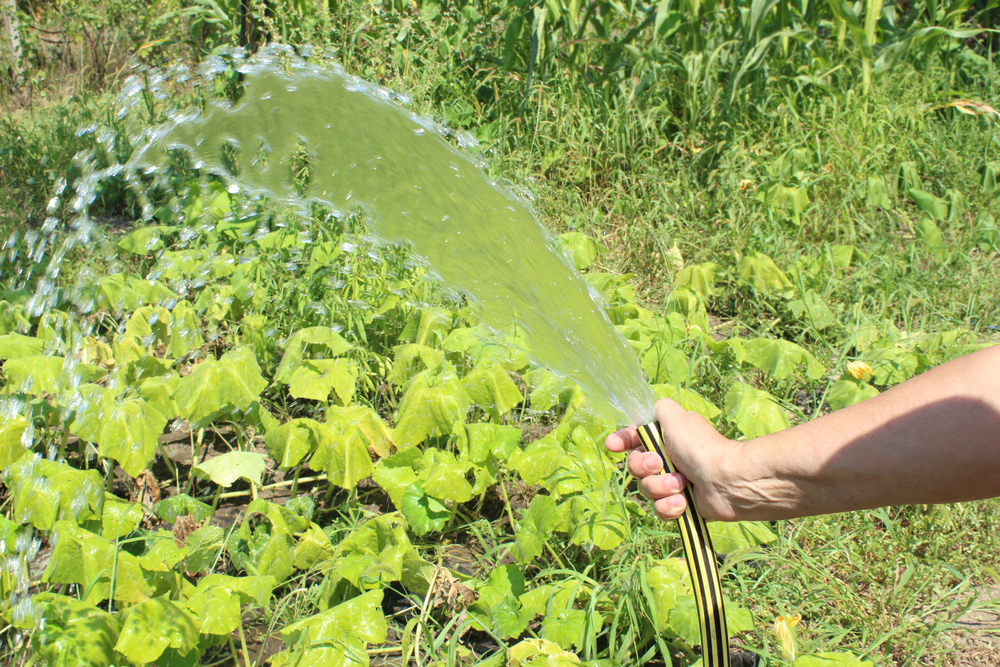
(976, 642)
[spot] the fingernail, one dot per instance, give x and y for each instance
(676, 502)
(654, 464)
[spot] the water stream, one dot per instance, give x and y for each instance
(368, 152)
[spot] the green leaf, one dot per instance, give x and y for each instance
(46, 491)
(760, 272)
(360, 618)
(738, 535)
(144, 240)
(343, 454)
(16, 346)
(930, 236)
(76, 634)
(665, 364)
(813, 309)
(368, 426)
(159, 393)
(394, 478)
(444, 477)
(119, 518)
(312, 340)
(422, 512)
(535, 528)
(182, 504)
(565, 627)
(582, 250)
(127, 431)
(231, 384)
(81, 557)
(432, 405)
(226, 468)
(485, 440)
(154, 625)
(12, 440)
(781, 358)
(935, 207)
(843, 393)
(491, 388)
(313, 549)
(699, 278)
(688, 399)
(548, 389)
(185, 330)
(204, 546)
(830, 659)
(293, 441)
(36, 375)
(163, 554)
(754, 411)
(316, 379)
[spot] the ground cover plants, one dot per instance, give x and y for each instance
(240, 434)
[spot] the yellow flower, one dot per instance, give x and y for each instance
(859, 369)
(746, 184)
(786, 636)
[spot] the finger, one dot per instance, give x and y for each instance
(655, 487)
(623, 440)
(670, 507)
(642, 464)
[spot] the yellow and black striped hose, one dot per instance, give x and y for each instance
(701, 563)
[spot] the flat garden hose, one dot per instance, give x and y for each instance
(701, 563)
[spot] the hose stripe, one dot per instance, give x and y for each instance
(702, 566)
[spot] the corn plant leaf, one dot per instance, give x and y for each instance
(760, 272)
(226, 468)
(342, 452)
(422, 512)
(491, 388)
(230, 384)
(47, 491)
(754, 411)
(16, 346)
(738, 535)
(316, 379)
(318, 339)
(152, 626)
(76, 634)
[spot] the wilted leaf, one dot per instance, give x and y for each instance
(343, 454)
(935, 207)
(699, 278)
(760, 272)
(12, 440)
(182, 504)
(46, 491)
(126, 431)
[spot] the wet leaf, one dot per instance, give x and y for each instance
(581, 249)
(432, 405)
(76, 634)
(491, 388)
(16, 346)
(315, 380)
(322, 339)
(12, 445)
(444, 478)
(126, 431)
(46, 491)
(688, 399)
(119, 518)
(154, 625)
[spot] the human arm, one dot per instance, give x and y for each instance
(932, 439)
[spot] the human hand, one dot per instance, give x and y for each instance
(696, 449)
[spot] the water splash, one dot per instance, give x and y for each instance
(367, 152)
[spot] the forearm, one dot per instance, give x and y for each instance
(932, 439)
